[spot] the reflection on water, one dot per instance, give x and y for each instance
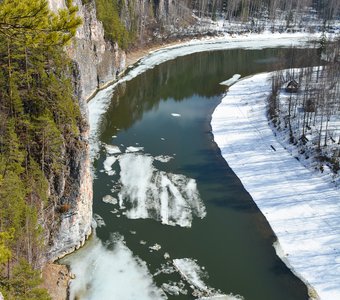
(159, 165)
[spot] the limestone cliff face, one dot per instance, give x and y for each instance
(98, 60)
(73, 209)
(95, 62)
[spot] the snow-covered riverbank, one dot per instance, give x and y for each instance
(302, 209)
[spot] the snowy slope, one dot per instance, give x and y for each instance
(302, 209)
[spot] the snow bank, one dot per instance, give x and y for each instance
(302, 209)
(110, 273)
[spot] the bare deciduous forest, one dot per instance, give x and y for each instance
(309, 115)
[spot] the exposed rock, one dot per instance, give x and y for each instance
(75, 222)
(98, 60)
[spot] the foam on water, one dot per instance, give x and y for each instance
(147, 192)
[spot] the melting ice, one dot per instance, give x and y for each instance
(110, 274)
(192, 273)
(149, 193)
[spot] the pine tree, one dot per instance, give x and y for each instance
(38, 117)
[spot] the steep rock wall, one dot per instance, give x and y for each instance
(98, 60)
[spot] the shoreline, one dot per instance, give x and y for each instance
(288, 194)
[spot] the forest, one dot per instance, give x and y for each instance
(38, 117)
(309, 114)
(133, 23)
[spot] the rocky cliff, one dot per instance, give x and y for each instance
(98, 61)
(94, 62)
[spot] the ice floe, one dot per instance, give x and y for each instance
(155, 247)
(191, 272)
(231, 80)
(222, 297)
(99, 221)
(110, 199)
(300, 206)
(109, 161)
(149, 193)
(110, 270)
(194, 275)
(112, 149)
(175, 115)
(174, 288)
(163, 158)
(131, 149)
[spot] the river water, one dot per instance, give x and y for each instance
(168, 194)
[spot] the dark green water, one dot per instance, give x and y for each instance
(233, 242)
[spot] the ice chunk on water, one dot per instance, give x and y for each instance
(110, 199)
(112, 149)
(231, 80)
(171, 289)
(222, 297)
(134, 149)
(155, 247)
(109, 161)
(163, 158)
(99, 220)
(191, 272)
(149, 193)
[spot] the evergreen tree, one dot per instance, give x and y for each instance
(39, 118)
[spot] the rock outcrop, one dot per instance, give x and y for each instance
(98, 61)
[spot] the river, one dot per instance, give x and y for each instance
(162, 191)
